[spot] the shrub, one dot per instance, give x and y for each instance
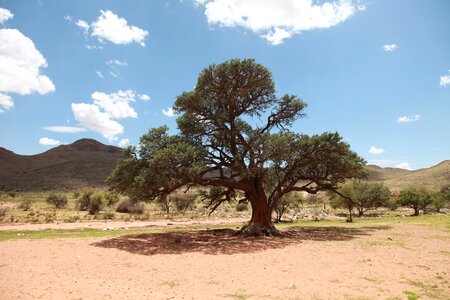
(5, 209)
(183, 202)
(111, 198)
(127, 206)
(124, 205)
(58, 200)
(25, 204)
(91, 201)
(108, 215)
(392, 203)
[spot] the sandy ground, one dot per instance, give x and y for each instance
(310, 263)
(123, 224)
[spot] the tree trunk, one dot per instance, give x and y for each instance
(360, 211)
(261, 222)
(416, 211)
(350, 217)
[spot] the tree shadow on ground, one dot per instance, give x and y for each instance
(225, 241)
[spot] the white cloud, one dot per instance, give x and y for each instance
(445, 80)
(116, 62)
(123, 143)
(6, 102)
(410, 118)
(68, 18)
(403, 165)
(65, 129)
(5, 15)
(90, 117)
(169, 112)
(48, 142)
(84, 26)
(276, 20)
(376, 151)
(99, 74)
(390, 48)
(20, 65)
(112, 28)
(386, 163)
(144, 97)
(116, 104)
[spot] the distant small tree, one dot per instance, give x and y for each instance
(417, 199)
(442, 199)
(287, 203)
(368, 195)
(343, 198)
(58, 200)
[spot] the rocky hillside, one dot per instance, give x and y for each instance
(84, 163)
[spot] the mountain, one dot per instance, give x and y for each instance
(433, 178)
(85, 163)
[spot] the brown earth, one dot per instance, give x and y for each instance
(308, 263)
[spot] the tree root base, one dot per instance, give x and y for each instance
(254, 229)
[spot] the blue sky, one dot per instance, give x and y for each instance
(377, 72)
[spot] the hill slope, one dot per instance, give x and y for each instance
(396, 179)
(86, 162)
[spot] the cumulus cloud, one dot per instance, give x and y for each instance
(169, 112)
(21, 65)
(123, 143)
(89, 116)
(111, 27)
(410, 118)
(390, 48)
(277, 20)
(144, 97)
(116, 104)
(445, 80)
(48, 142)
(5, 15)
(6, 102)
(101, 116)
(65, 129)
(376, 151)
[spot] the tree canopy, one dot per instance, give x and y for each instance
(234, 136)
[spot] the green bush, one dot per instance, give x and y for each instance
(111, 198)
(392, 203)
(58, 200)
(90, 201)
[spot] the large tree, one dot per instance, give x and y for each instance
(233, 136)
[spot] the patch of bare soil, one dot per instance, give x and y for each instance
(307, 263)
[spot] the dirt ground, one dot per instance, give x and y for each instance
(310, 263)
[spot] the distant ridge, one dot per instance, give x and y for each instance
(84, 163)
(433, 178)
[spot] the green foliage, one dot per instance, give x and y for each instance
(58, 200)
(111, 198)
(417, 199)
(442, 199)
(392, 203)
(90, 201)
(222, 144)
(96, 203)
(288, 203)
(25, 204)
